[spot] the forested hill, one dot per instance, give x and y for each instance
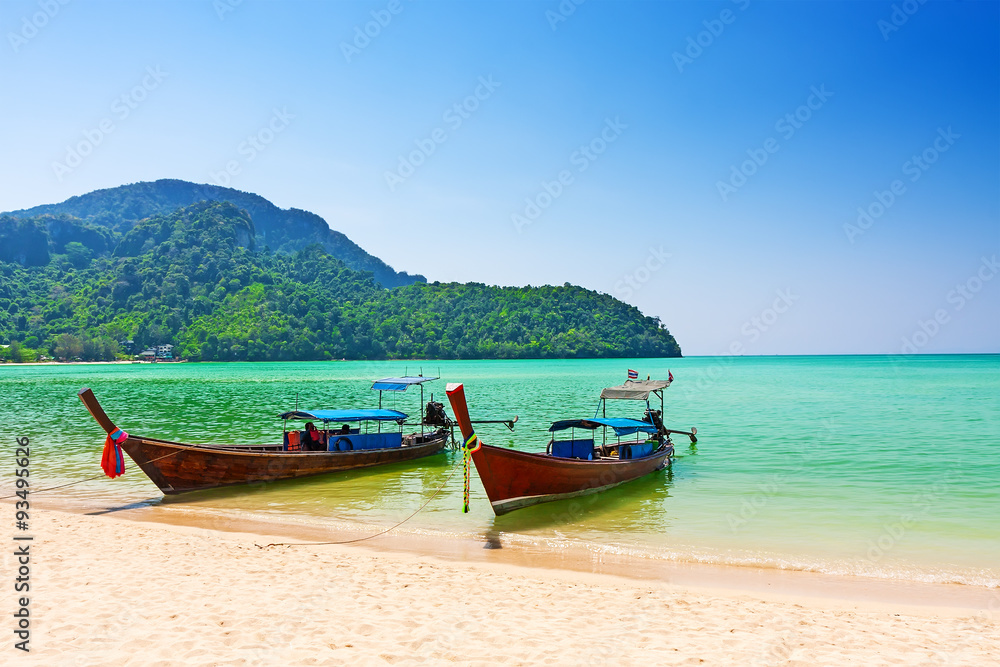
(199, 279)
(116, 210)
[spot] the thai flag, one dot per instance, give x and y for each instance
(670, 376)
(633, 375)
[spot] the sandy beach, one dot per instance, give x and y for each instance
(105, 590)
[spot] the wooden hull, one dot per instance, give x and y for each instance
(178, 468)
(516, 479)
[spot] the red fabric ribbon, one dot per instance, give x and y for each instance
(112, 461)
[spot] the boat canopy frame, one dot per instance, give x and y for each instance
(361, 416)
(326, 416)
(631, 390)
(402, 384)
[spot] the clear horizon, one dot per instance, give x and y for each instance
(767, 178)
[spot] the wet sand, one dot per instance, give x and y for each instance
(110, 589)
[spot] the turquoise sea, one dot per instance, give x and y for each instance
(873, 466)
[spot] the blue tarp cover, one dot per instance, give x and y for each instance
(346, 415)
(400, 384)
(621, 425)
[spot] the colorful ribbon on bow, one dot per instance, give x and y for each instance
(471, 445)
(113, 462)
(466, 457)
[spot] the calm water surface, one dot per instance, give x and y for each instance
(873, 466)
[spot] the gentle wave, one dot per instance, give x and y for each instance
(352, 530)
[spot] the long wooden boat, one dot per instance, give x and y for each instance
(178, 468)
(575, 467)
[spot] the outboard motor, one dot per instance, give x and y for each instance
(436, 415)
(655, 417)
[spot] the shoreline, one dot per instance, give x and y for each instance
(771, 583)
(686, 356)
(751, 570)
(84, 363)
(111, 589)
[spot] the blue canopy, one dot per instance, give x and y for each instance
(400, 384)
(347, 415)
(621, 425)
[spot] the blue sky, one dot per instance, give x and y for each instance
(712, 156)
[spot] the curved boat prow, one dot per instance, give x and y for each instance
(95, 410)
(456, 396)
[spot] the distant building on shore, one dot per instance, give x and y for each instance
(158, 352)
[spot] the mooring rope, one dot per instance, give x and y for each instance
(85, 479)
(368, 537)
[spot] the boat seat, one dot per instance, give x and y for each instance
(574, 449)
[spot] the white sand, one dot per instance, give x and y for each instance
(109, 591)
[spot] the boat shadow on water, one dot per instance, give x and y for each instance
(645, 496)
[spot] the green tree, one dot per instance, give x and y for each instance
(78, 254)
(68, 347)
